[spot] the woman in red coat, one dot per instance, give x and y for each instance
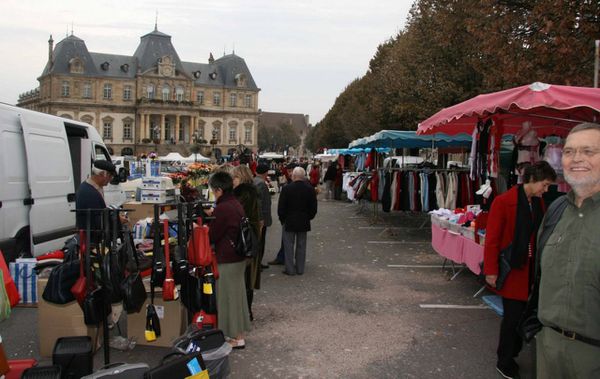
(513, 221)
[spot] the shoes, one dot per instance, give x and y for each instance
(264, 266)
(509, 372)
(275, 262)
(288, 273)
(236, 344)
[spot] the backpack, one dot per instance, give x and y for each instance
(246, 245)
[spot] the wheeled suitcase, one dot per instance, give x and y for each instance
(74, 355)
(120, 371)
(42, 372)
(181, 367)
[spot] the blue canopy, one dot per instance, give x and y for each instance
(409, 139)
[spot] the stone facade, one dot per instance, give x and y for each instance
(152, 100)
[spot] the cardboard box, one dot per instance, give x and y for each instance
(173, 322)
(138, 211)
(60, 320)
(158, 196)
(157, 182)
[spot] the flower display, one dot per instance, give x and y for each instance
(198, 173)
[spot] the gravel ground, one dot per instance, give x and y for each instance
(349, 315)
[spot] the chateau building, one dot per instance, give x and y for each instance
(151, 100)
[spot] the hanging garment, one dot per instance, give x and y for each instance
(386, 197)
(399, 187)
(393, 190)
(440, 190)
(432, 185)
(381, 174)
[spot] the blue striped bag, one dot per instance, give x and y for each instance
(23, 273)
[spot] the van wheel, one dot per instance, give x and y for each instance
(23, 247)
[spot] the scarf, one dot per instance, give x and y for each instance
(528, 221)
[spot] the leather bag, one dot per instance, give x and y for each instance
(79, 289)
(132, 286)
(169, 292)
(61, 280)
(190, 293)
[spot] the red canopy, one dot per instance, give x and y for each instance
(552, 109)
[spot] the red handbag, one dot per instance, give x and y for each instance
(9, 283)
(79, 289)
(169, 292)
(199, 251)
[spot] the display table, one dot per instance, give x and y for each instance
(457, 248)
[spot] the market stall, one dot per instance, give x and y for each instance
(529, 112)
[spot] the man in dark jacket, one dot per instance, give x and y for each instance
(297, 206)
(260, 181)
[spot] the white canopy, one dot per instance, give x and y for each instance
(172, 157)
(195, 158)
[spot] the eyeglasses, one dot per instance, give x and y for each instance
(587, 152)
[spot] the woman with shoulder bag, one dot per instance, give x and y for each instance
(508, 264)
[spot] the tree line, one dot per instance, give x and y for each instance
(452, 50)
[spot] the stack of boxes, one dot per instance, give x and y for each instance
(157, 190)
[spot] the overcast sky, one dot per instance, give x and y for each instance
(301, 53)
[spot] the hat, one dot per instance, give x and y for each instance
(106, 166)
(262, 168)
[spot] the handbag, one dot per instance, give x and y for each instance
(9, 284)
(190, 293)
(503, 266)
(95, 309)
(158, 268)
(61, 280)
(169, 292)
(132, 286)
(5, 307)
(79, 288)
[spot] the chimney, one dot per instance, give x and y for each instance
(50, 48)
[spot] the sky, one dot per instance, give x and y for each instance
(301, 53)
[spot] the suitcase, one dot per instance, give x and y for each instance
(42, 372)
(181, 367)
(120, 371)
(200, 340)
(74, 355)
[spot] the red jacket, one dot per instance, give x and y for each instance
(225, 228)
(499, 234)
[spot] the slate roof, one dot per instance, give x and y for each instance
(153, 46)
(276, 119)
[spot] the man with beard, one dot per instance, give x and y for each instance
(569, 305)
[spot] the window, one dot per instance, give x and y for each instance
(232, 133)
(248, 134)
(233, 100)
(181, 135)
(127, 129)
(107, 94)
(107, 130)
(150, 91)
(65, 89)
(166, 92)
(217, 98)
(87, 90)
(200, 132)
(179, 93)
(248, 101)
(200, 97)
(217, 133)
(127, 93)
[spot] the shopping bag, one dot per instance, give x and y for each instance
(23, 273)
(9, 283)
(4, 302)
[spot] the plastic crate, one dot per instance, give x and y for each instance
(74, 356)
(42, 372)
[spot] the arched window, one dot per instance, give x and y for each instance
(66, 90)
(166, 93)
(179, 93)
(127, 151)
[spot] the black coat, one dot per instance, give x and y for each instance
(297, 206)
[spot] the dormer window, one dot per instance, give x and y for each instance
(76, 66)
(213, 75)
(240, 80)
(197, 74)
(125, 67)
(104, 66)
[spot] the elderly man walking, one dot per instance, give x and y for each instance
(297, 206)
(569, 305)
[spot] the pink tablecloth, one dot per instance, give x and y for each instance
(457, 248)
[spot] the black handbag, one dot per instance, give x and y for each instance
(503, 266)
(113, 267)
(190, 292)
(60, 281)
(209, 295)
(132, 287)
(95, 308)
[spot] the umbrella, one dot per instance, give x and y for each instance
(552, 109)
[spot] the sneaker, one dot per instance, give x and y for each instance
(508, 372)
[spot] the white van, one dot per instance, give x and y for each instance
(43, 160)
